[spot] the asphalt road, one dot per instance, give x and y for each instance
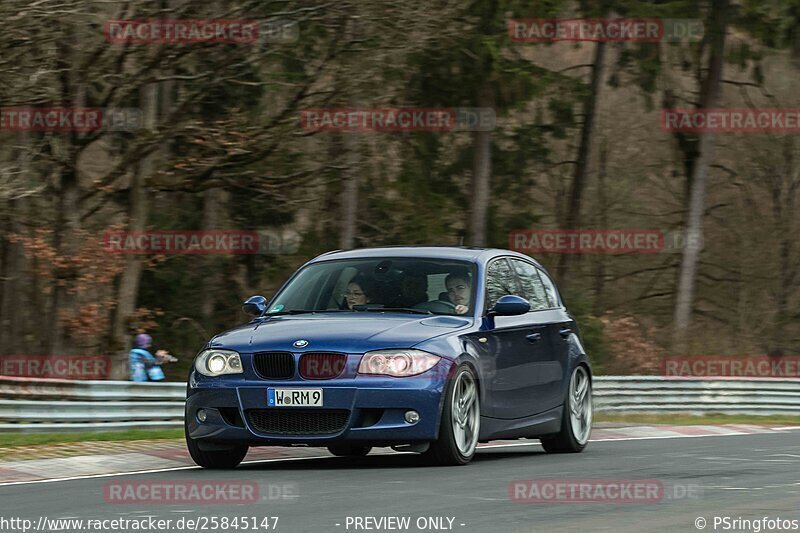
(748, 477)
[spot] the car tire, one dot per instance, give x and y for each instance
(577, 414)
(349, 450)
(460, 426)
(218, 459)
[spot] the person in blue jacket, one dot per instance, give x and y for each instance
(145, 366)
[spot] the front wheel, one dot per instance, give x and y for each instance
(461, 421)
(576, 420)
(222, 459)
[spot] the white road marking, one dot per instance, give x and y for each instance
(286, 459)
(631, 438)
(726, 459)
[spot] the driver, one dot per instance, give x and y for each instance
(459, 288)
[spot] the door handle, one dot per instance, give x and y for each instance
(565, 332)
(533, 337)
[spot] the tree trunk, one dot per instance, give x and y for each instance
(128, 290)
(11, 275)
(784, 193)
(600, 261)
(214, 205)
(64, 244)
(573, 214)
(351, 159)
(12, 263)
(349, 198)
(710, 92)
(68, 204)
(481, 175)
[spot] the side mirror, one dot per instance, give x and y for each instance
(255, 305)
(510, 305)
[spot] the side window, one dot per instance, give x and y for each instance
(532, 288)
(500, 280)
(550, 289)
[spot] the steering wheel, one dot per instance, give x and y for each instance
(436, 306)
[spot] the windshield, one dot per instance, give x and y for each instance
(407, 285)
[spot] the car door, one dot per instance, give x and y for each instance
(515, 345)
(547, 362)
(563, 332)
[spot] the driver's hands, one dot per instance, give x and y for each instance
(461, 309)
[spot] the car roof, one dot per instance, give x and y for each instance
(464, 253)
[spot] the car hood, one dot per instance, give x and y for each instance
(337, 333)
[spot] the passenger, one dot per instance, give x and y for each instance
(459, 288)
(360, 291)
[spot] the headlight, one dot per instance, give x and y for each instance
(397, 363)
(218, 362)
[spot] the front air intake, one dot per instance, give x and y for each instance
(298, 422)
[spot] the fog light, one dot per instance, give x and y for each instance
(202, 416)
(412, 417)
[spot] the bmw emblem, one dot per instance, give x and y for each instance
(302, 343)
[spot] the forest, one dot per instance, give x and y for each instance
(538, 135)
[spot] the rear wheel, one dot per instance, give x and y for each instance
(461, 420)
(349, 450)
(576, 420)
(226, 457)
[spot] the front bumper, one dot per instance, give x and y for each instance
(375, 409)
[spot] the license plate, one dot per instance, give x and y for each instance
(294, 397)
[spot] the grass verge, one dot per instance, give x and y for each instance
(31, 439)
(680, 420)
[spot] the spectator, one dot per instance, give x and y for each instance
(145, 366)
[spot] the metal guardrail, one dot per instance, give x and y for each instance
(56, 405)
(46, 405)
(58, 389)
(731, 396)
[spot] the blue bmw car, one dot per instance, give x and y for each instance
(422, 349)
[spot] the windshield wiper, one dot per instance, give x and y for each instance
(356, 308)
(398, 310)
